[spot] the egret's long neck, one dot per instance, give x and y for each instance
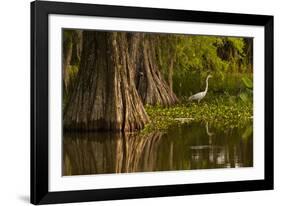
(206, 89)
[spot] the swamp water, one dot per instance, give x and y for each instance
(182, 147)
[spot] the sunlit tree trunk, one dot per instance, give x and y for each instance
(105, 95)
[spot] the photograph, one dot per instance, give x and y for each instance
(153, 102)
(132, 102)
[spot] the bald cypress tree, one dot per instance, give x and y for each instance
(105, 95)
(151, 85)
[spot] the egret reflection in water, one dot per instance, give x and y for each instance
(184, 147)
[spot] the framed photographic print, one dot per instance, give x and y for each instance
(133, 102)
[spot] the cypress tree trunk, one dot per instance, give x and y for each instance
(151, 85)
(105, 95)
(170, 73)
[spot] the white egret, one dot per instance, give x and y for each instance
(200, 95)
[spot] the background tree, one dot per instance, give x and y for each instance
(151, 84)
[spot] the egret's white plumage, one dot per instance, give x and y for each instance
(200, 95)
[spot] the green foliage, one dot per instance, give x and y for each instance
(237, 44)
(190, 82)
(195, 56)
(209, 53)
(227, 112)
(247, 94)
(244, 97)
(199, 53)
(248, 82)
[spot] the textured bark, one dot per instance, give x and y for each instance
(105, 95)
(170, 74)
(151, 85)
(134, 40)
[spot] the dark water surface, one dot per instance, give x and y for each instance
(184, 147)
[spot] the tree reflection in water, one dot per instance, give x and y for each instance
(185, 147)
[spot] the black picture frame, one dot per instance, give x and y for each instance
(39, 102)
